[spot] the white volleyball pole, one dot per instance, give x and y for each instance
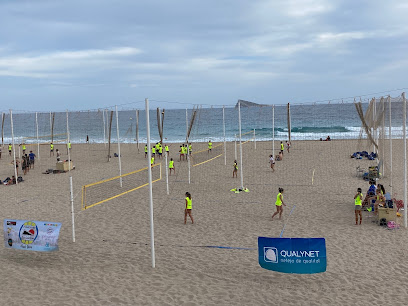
(14, 149)
(38, 141)
(188, 150)
(104, 127)
(235, 146)
(390, 139)
(254, 140)
(405, 156)
(167, 173)
(240, 144)
(374, 129)
(71, 188)
(273, 130)
(223, 126)
(383, 136)
(107, 124)
(149, 152)
(137, 130)
(117, 133)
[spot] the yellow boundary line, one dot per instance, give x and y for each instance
(247, 141)
(207, 160)
(207, 149)
(247, 133)
(313, 176)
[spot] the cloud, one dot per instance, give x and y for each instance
(65, 63)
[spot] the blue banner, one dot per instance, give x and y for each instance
(292, 255)
(31, 235)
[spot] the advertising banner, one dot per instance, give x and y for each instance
(292, 255)
(31, 235)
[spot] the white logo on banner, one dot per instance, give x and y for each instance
(271, 254)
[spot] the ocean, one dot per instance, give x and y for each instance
(308, 122)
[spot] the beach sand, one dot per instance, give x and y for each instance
(110, 262)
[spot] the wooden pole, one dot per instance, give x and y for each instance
(52, 127)
(289, 123)
(2, 128)
(110, 133)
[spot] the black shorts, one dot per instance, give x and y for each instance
(31, 161)
(160, 154)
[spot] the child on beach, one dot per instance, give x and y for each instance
(282, 148)
(272, 161)
(235, 169)
(358, 206)
(181, 151)
(171, 166)
(188, 207)
(278, 204)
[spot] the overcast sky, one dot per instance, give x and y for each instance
(85, 54)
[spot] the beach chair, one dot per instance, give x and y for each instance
(360, 171)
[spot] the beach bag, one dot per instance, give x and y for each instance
(383, 222)
(392, 225)
(116, 155)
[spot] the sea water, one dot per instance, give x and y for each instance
(308, 122)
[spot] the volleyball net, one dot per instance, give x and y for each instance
(109, 189)
(205, 155)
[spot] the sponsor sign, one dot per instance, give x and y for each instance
(31, 235)
(292, 255)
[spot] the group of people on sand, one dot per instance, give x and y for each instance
(279, 157)
(375, 197)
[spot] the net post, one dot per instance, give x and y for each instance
(167, 174)
(223, 126)
(71, 188)
(137, 130)
(104, 127)
(38, 140)
(149, 170)
(390, 141)
(235, 146)
(273, 130)
(240, 143)
(117, 132)
(254, 140)
(405, 156)
(3, 115)
(188, 150)
(14, 149)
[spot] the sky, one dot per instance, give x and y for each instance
(78, 55)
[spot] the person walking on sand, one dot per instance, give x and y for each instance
(282, 148)
(358, 206)
(188, 207)
(235, 169)
(272, 162)
(279, 202)
(10, 147)
(209, 146)
(146, 150)
(171, 166)
(32, 159)
(287, 145)
(51, 149)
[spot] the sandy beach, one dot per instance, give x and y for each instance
(110, 263)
